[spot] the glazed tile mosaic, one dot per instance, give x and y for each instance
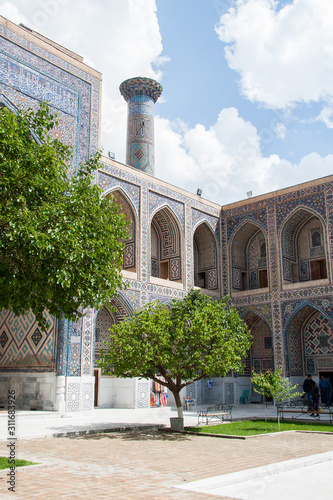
(272, 254)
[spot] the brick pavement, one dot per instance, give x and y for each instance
(144, 465)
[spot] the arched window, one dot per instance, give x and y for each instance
(125, 208)
(260, 356)
(205, 258)
(165, 246)
(316, 239)
(248, 257)
(303, 252)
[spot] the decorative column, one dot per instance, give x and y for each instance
(141, 95)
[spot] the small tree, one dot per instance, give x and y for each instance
(60, 240)
(273, 385)
(193, 338)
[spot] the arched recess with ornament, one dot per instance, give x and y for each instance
(260, 357)
(249, 260)
(309, 336)
(303, 248)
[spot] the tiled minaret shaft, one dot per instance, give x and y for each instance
(141, 95)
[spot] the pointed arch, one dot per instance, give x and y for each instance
(205, 257)
(126, 207)
(309, 337)
(118, 310)
(303, 247)
(248, 257)
(165, 245)
(260, 356)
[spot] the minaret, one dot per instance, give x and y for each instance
(141, 95)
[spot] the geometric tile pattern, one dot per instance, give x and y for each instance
(190, 391)
(304, 270)
(310, 366)
(41, 75)
(295, 347)
(87, 342)
(109, 183)
(293, 315)
(104, 321)
(261, 349)
(318, 336)
(87, 401)
(73, 395)
(257, 216)
(175, 270)
(206, 245)
(229, 393)
(168, 230)
(156, 201)
(23, 344)
(130, 240)
(237, 278)
(212, 279)
(36, 337)
(140, 133)
(142, 394)
(3, 339)
(325, 363)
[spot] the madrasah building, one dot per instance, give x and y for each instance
(271, 253)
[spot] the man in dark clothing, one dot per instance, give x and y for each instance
(307, 386)
(315, 399)
(325, 390)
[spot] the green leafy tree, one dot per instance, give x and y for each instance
(60, 240)
(193, 338)
(273, 385)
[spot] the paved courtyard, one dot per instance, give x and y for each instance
(144, 464)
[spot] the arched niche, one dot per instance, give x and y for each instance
(205, 258)
(310, 343)
(125, 207)
(5, 103)
(303, 248)
(260, 357)
(165, 245)
(249, 259)
(105, 319)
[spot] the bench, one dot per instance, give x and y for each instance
(219, 411)
(299, 409)
(188, 402)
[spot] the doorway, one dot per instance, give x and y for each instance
(328, 375)
(96, 375)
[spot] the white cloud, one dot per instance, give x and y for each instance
(11, 11)
(283, 56)
(122, 39)
(225, 160)
(326, 116)
(280, 130)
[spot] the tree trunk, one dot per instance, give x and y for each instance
(266, 409)
(178, 404)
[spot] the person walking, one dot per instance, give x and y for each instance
(307, 386)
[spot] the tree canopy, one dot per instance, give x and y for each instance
(190, 339)
(60, 240)
(273, 385)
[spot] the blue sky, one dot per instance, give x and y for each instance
(248, 84)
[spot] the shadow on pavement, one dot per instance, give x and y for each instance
(134, 435)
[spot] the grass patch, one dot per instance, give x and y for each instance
(18, 463)
(253, 427)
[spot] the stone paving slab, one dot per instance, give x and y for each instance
(144, 465)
